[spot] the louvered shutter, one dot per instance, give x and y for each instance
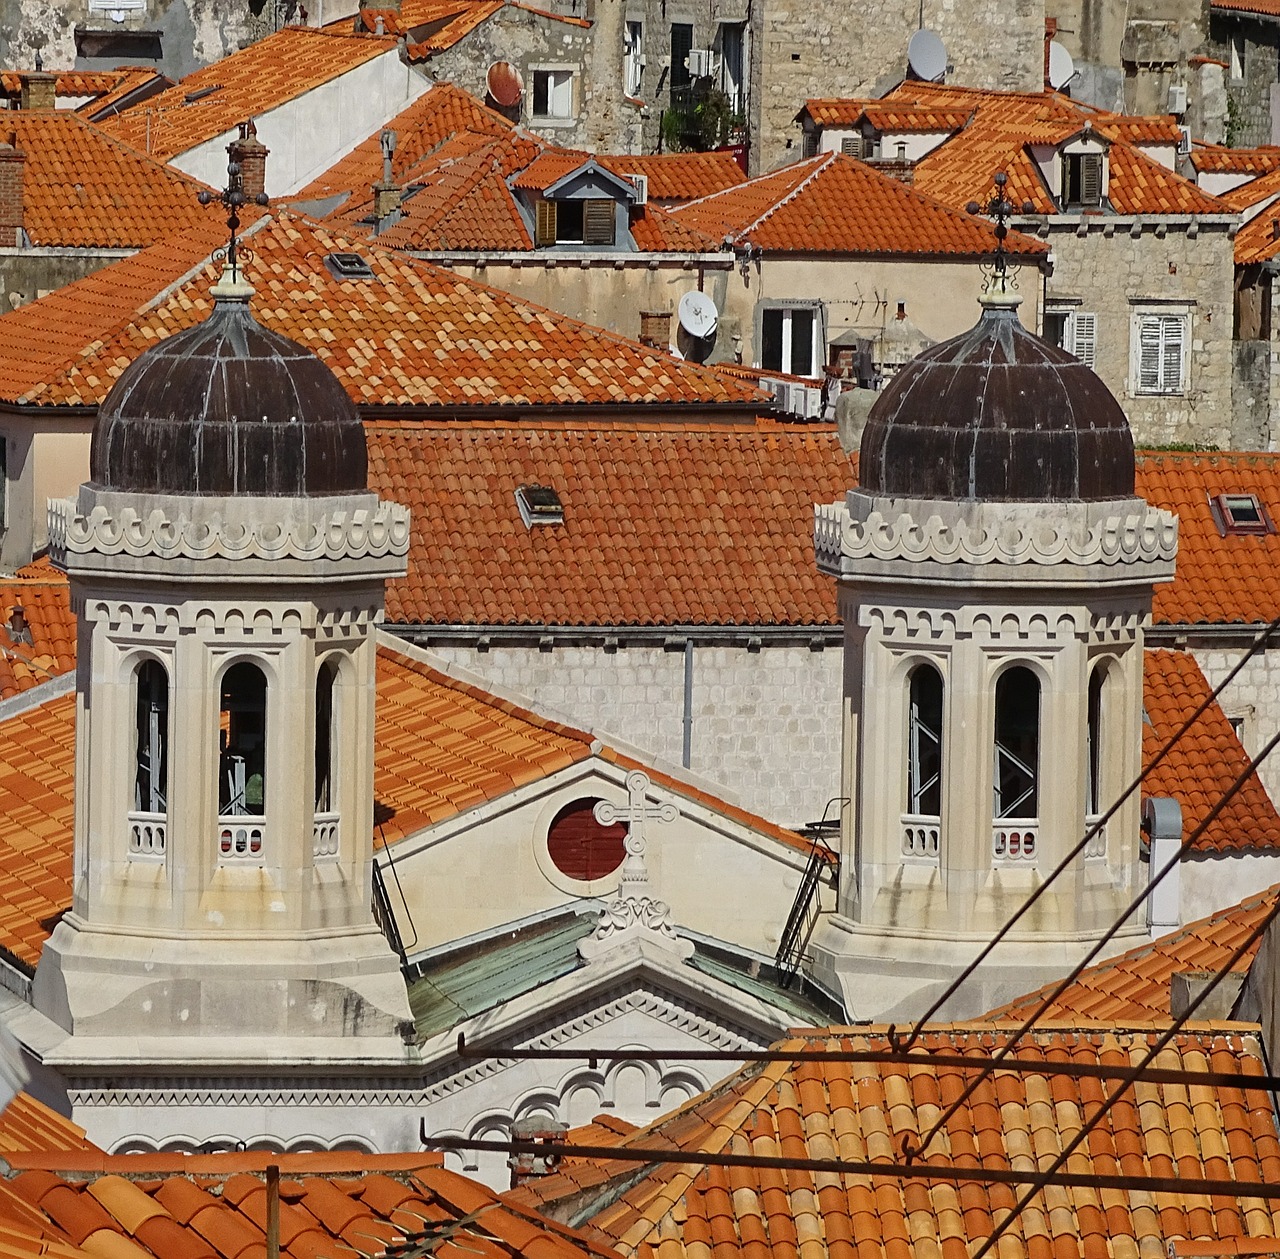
(1091, 179)
(1172, 330)
(546, 228)
(598, 222)
(1084, 336)
(851, 146)
(1149, 355)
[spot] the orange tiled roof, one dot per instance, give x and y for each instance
(413, 336)
(1245, 196)
(677, 177)
(834, 204)
(1204, 762)
(252, 81)
(1014, 1119)
(1220, 580)
(214, 1206)
(885, 116)
(432, 26)
(29, 1125)
(1263, 8)
(83, 189)
(1217, 158)
(47, 649)
(690, 525)
(1258, 240)
(129, 79)
(1004, 124)
(67, 82)
(1135, 985)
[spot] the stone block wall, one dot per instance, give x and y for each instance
(1249, 119)
(766, 722)
(1252, 700)
(1115, 266)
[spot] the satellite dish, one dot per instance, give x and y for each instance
(504, 84)
(698, 315)
(927, 56)
(1061, 68)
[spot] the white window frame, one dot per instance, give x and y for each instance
(819, 336)
(1160, 352)
(633, 57)
(1238, 54)
(560, 93)
(1080, 333)
(731, 86)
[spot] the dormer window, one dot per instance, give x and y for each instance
(1082, 180)
(1240, 513)
(589, 222)
(539, 505)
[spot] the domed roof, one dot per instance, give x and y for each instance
(997, 414)
(229, 408)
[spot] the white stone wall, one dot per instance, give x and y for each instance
(766, 723)
(1253, 698)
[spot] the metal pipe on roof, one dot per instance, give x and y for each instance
(273, 1211)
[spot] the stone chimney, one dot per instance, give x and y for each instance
(12, 161)
(655, 328)
(39, 90)
(386, 200)
(251, 153)
(1186, 987)
(527, 1166)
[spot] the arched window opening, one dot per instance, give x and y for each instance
(1017, 750)
(324, 739)
(1097, 845)
(580, 847)
(920, 827)
(242, 790)
(151, 745)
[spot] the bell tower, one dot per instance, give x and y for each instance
(227, 564)
(995, 573)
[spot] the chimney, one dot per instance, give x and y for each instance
(1185, 986)
(386, 200)
(251, 154)
(39, 90)
(655, 329)
(12, 160)
(525, 1166)
(902, 311)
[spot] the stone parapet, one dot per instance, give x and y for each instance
(1135, 540)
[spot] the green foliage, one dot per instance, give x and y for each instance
(1235, 121)
(699, 118)
(1192, 448)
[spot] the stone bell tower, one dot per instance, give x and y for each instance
(995, 574)
(227, 563)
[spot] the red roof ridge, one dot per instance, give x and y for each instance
(819, 167)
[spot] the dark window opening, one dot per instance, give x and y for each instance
(681, 47)
(924, 743)
(569, 222)
(1055, 328)
(786, 339)
(151, 743)
(324, 739)
(1093, 735)
(242, 728)
(580, 847)
(1017, 745)
(1082, 180)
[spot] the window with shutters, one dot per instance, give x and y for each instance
(553, 94)
(851, 146)
(1073, 330)
(598, 221)
(790, 339)
(1082, 180)
(681, 47)
(545, 231)
(580, 847)
(590, 222)
(633, 58)
(1160, 352)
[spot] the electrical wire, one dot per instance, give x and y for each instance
(1044, 1179)
(1258, 644)
(1007, 1048)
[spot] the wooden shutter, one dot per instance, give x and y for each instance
(1149, 354)
(546, 228)
(1084, 336)
(1173, 328)
(598, 222)
(1091, 179)
(851, 146)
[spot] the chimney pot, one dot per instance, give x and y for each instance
(655, 328)
(902, 310)
(526, 1166)
(250, 154)
(12, 166)
(39, 90)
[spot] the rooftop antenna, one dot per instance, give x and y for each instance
(927, 56)
(1062, 69)
(232, 197)
(388, 141)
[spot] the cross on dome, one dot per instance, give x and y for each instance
(232, 197)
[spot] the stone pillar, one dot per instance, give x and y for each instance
(12, 163)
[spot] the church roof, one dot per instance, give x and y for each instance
(1015, 1120)
(1135, 985)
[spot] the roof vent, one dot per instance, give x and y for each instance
(539, 505)
(1240, 513)
(348, 266)
(200, 93)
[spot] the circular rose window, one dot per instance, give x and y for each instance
(580, 847)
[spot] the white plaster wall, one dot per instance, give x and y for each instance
(1213, 883)
(308, 134)
(1254, 696)
(766, 724)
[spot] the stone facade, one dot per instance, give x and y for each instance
(1248, 46)
(1120, 268)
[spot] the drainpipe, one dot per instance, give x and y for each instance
(688, 703)
(273, 1211)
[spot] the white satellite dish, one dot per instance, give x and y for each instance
(698, 315)
(927, 56)
(1061, 68)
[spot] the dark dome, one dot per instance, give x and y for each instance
(997, 414)
(228, 407)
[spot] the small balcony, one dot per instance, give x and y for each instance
(147, 835)
(241, 839)
(1015, 841)
(1096, 847)
(921, 837)
(324, 837)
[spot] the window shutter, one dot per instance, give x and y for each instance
(1149, 354)
(598, 225)
(1091, 179)
(1084, 336)
(1172, 331)
(546, 228)
(851, 146)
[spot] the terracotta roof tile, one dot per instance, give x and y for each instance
(1217, 158)
(83, 189)
(1264, 8)
(885, 116)
(28, 1124)
(675, 177)
(259, 78)
(1204, 762)
(1135, 985)
(835, 204)
(68, 82)
(41, 644)
(131, 83)
(432, 26)
(412, 336)
(865, 1110)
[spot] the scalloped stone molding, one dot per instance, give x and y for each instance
(361, 533)
(1146, 536)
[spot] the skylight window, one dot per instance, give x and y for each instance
(348, 266)
(1241, 513)
(539, 505)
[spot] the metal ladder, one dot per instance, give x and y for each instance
(801, 919)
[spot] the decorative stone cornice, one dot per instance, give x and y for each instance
(1144, 536)
(361, 533)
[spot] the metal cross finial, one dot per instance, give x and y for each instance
(635, 872)
(1000, 208)
(232, 197)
